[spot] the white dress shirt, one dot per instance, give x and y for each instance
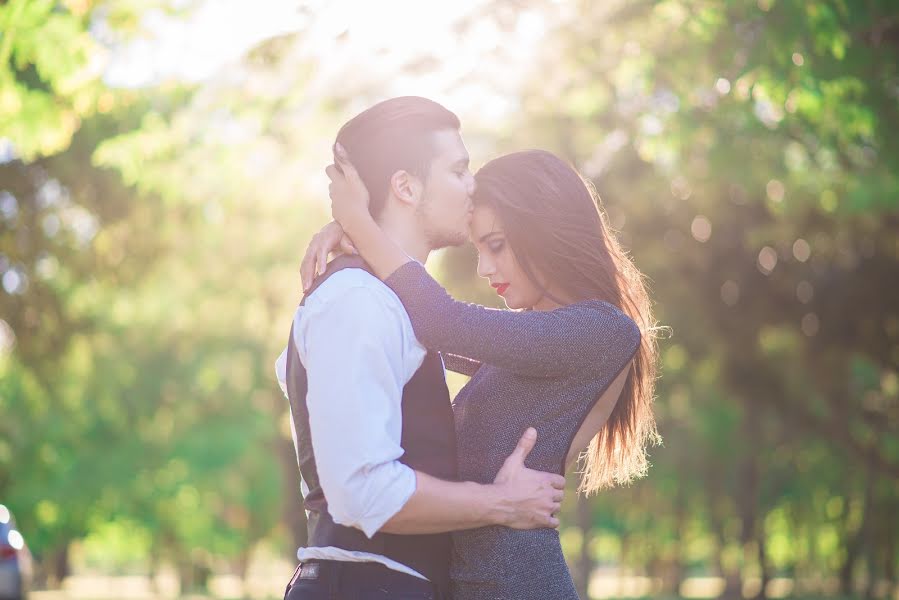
(357, 344)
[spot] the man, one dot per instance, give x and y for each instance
(372, 419)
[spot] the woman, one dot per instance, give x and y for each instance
(570, 360)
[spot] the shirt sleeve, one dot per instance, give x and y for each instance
(352, 349)
(590, 335)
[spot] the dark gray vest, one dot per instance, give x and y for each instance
(429, 442)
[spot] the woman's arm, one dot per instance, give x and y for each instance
(539, 343)
(460, 364)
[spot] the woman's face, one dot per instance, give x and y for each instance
(497, 262)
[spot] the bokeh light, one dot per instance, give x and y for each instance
(767, 260)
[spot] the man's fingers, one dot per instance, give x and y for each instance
(548, 521)
(558, 496)
(557, 481)
(332, 172)
(525, 445)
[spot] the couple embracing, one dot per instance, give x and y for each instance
(409, 496)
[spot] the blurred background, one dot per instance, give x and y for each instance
(161, 171)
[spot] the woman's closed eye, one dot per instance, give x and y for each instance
(495, 246)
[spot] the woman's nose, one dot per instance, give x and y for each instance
(485, 266)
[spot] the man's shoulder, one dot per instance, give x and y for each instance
(357, 295)
(350, 285)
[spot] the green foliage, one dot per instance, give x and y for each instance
(138, 391)
(49, 78)
(746, 151)
(750, 164)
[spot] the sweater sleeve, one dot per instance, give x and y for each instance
(591, 334)
(460, 364)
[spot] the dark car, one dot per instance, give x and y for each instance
(15, 559)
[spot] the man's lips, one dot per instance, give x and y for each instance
(500, 288)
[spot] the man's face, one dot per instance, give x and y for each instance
(446, 208)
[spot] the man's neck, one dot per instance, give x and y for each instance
(408, 238)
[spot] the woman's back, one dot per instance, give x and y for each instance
(491, 412)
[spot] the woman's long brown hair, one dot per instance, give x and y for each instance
(555, 226)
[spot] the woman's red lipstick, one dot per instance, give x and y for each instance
(500, 288)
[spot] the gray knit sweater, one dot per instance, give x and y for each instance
(544, 369)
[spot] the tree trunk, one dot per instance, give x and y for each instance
(673, 567)
(748, 492)
(185, 573)
(57, 565)
(731, 577)
(623, 562)
(857, 542)
(873, 539)
(585, 559)
(153, 569)
(764, 573)
(891, 550)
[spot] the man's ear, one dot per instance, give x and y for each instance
(406, 187)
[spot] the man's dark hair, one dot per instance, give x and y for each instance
(391, 136)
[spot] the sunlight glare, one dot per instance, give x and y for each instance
(408, 47)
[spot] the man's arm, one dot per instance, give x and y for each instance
(519, 497)
(352, 349)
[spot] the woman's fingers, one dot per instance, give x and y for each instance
(315, 261)
(339, 181)
(332, 173)
(343, 159)
(346, 245)
(322, 263)
(307, 267)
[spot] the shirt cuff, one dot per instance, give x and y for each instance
(384, 506)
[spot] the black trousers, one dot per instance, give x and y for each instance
(337, 580)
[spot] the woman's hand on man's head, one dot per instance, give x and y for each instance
(349, 196)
